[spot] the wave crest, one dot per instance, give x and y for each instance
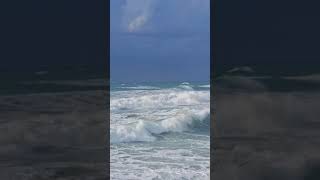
(185, 120)
(159, 99)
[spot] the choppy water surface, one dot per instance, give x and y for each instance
(160, 131)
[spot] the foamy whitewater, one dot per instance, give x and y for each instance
(160, 131)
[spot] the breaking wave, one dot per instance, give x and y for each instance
(142, 115)
(147, 130)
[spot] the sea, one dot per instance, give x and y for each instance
(160, 130)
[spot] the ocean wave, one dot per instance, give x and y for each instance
(241, 69)
(205, 86)
(158, 99)
(310, 78)
(183, 120)
(141, 87)
(141, 115)
(185, 86)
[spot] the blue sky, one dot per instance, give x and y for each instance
(160, 40)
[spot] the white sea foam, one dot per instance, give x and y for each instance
(162, 162)
(160, 133)
(145, 130)
(156, 112)
(157, 99)
(186, 87)
(141, 87)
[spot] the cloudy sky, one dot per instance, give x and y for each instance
(160, 40)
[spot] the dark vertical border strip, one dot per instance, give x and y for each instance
(213, 52)
(107, 48)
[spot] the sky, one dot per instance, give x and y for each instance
(159, 40)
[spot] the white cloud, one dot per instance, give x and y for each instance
(137, 23)
(137, 14)
(165, 15)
